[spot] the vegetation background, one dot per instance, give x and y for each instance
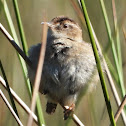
(91, 109)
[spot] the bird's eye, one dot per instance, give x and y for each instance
(65, 26)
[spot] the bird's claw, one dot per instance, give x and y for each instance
(68, 111)
(50, 107)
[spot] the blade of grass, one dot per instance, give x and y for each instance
(39, 109)
(10, 108)
(18, 49)
(112, 69)
(113, 88)
(20, 102)
(11, 26)
(20, 58)
(24, 68)
(25, 48)
(39, 112)
(124, 33)
(8, 89)
(117, 35)
(23, 65)
(113, 47)
(38, 73)
(77, 121)
(104, 88)
(20, 26)
(120, 109)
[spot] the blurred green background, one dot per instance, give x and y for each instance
(91, 110)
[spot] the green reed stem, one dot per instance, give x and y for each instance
(104, 88)
(23, 65)
(119, 71)
(20, 26)
(8, 89)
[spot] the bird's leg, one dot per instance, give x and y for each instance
(68, 111)
(50, 107)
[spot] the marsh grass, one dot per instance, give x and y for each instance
(114, 45)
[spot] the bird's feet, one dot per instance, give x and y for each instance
(50, 107)
(68, 111)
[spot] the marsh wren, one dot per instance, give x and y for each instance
(69, 65)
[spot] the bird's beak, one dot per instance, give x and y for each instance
(48, 24)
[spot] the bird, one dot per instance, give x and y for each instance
(69, 65)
